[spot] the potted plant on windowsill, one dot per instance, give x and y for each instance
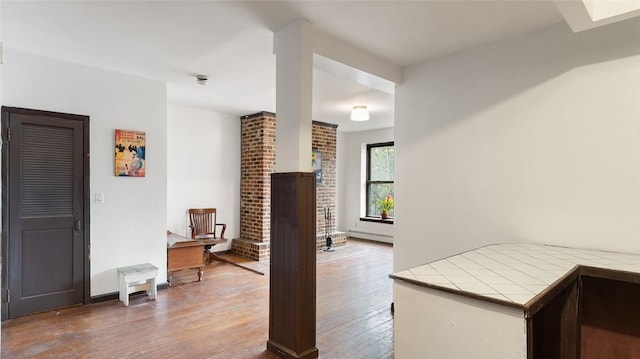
(385, 205)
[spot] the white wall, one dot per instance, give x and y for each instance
(351, 179)
(532, 139)
(203, 168)
(130, 226)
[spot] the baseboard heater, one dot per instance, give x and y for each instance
(371, 236)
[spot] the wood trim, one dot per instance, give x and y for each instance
(87, 209)
(459, 292)
(612, 274)
(5, 212)
(32, 112)
(569, 322)
(292, 287)
(547, 295)
(554, 330)
(530, 341)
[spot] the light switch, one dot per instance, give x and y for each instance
(99, 197)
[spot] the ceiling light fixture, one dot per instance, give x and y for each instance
(359, 113)
(203, 79)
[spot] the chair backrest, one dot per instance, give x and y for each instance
(202, 222)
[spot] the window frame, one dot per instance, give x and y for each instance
(368, 181)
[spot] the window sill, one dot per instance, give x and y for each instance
(377, 219)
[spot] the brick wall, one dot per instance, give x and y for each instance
(257, 161)
(323, 139)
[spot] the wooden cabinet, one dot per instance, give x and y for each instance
(185, 255)
(595, 315)
(520, 301)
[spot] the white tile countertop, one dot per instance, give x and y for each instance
(512, 274)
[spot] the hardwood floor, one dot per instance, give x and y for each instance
(224, 316)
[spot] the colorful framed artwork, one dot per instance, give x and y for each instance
(130, 153)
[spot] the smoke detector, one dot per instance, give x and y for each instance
(203, 79)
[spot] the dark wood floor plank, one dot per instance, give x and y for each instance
(224, 316)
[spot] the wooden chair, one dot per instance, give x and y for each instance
(204, 229)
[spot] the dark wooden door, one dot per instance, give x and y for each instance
(45, 210)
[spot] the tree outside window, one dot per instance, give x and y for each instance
(380, 169)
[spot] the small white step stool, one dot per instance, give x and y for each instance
(137, 278)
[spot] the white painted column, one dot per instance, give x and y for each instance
(292, 319)
(293, 46)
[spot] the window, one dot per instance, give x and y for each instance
(380, 163)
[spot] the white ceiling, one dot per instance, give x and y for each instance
(231, 42)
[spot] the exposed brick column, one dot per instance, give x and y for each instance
(257, 162)
(324, 139)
